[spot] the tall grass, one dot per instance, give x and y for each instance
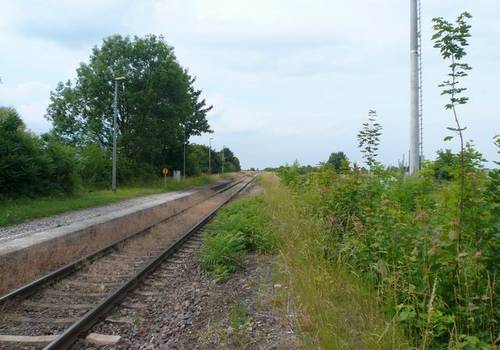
(337, 309)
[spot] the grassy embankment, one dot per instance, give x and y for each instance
(376, 260)
(335, 309)
(15, 211)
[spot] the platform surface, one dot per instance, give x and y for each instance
(28, 232)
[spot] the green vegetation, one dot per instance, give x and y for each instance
(452, 40)
(372, 259)
(338, 160)
(197, 160)
(336, 309)
(424, 250)
(30, 165)
(159, 107)
(241, 227)
(238, 316)
(14, 211)
(400, 235)
(368, 139)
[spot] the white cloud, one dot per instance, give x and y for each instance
(31, 100)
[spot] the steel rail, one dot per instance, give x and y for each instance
(32, 287)
(86, 322)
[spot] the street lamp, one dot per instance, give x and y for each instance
(210, 154)
(223, 160)
(115, 117)
(184, 153)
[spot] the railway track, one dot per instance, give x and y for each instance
(61, 307)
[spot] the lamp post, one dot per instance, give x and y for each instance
(184, 154)
(210, 154)
(115, 117)
(223, 158)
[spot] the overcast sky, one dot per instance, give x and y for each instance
(288, 79)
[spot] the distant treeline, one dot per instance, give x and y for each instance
(442, 167)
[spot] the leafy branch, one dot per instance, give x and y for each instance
(451, 39)
(368, 139)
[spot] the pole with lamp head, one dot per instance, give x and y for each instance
(115, 127)
(210, 154)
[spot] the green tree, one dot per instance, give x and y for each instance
(368, 139)
(231, 162)
(197, 161)
(158, 103)
(451, 40)
(337, 160)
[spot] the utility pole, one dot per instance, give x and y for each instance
(414, 160)
(184, 156)
(115, 127)
(210, 155)
(223, 158)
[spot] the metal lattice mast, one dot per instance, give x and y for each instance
(420, 83)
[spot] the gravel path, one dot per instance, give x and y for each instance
(30, 227)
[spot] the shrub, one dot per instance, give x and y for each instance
(222, 254)
(94, 166)
(31, 166)
(132, 172)
(243, 226)
(60, 176)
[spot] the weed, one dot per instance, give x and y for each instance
(241, 227)
(239, 316)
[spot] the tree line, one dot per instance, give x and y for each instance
(159, 110)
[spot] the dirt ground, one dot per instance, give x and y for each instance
(246, 312)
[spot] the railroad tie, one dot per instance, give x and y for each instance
(27, 339)
(39, 305)
(146, 294)
(126, 320)
(25, 319)
(102, 339)
(135, 306)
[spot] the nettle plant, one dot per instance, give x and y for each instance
(368, 139)
(451, 39)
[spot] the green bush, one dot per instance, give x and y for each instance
(94, 167)
(61, 175)
(132, 172)
(222, 254)
(243, 226)
(30, 166)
